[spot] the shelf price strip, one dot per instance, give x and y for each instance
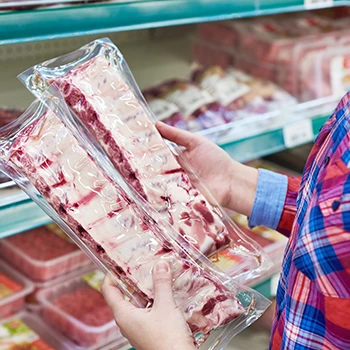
(298, 133)
(313, 4)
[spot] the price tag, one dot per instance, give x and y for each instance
(274, 284)
(314, 4)
(298, 133)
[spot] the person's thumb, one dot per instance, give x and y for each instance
(162, 279)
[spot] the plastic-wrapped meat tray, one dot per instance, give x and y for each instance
(222, 33)
(144, 208)
(13, 289)
(32, 298)
(42, 254)
(34, 332)
(80, 312)
(200, 109)
(35, 152)
(210, 54)
(6, 116)
(231, 93)
(165, 111)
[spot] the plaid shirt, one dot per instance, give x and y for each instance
(313, 296)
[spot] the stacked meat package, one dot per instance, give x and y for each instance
(213, 97)
(305, 54)
(90, 155)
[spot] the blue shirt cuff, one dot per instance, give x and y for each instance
(269, 199)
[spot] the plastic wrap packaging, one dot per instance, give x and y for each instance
(13, 289)
(224, 88)
(77, 308)
(42, 253)
(199, 108)
(281, 49)
(118, 229)
(28, 331)
(6, 116)
(212, 54)
(32, 303)
(137, 151)
(222, 33)
(164, 110)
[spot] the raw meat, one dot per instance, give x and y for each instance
(79, 312)
(13, 290)
(7, 115)
(42, 244)
(86, 305)
(223, 87)
(200, 109)
(165, 111)
(42, 254)
(222, 33)
(110, 224)
(110, 110)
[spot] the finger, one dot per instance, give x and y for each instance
(114, 297)
(180, 137)
(163, 289)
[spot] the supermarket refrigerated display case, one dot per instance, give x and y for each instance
(244, 139)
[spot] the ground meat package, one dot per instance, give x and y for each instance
(56, 160)
(42, 253)
(78, 310)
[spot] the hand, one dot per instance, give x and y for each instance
(232, 184)
(160, 327)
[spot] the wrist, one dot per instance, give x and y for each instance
(243, 185)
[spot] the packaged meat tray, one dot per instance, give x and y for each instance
(222, 33)
(136, 149)
(42, 253)
(212, 54)
(272, 40)
(199, 108)
(330, 72)
(272, 241)
(28, 331)
(32, 299)
(79, 311)
(164, 110)
(232, 94)
(13, 289)
(105, 217)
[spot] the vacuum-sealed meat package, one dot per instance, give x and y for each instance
(224, 87)
(100, 90)
(165, 111)
(199, 108)
(94, 205)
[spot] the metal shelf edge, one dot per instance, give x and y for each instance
(54, 23)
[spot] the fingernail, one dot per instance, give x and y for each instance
(162, 267)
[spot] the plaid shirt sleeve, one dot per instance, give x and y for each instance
(289, 209)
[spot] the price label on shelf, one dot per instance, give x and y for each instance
(314, 4)
(296, 134)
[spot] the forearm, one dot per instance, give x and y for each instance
(258, 194)
(242, 188)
